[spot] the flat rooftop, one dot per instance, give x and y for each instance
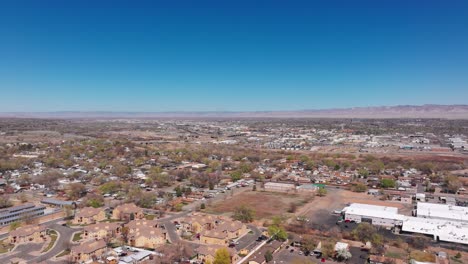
(442, 211)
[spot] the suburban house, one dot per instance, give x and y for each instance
(145, 233)
(89, 215)
(102, 230)
(127, 211)
(28, 234)
(206, 253)
(223, 232)
(197, 223)
(214, 237)
(87, 251)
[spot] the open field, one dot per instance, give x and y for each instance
(265, 204)
(320, 210)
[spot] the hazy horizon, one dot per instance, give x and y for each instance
(160, 56)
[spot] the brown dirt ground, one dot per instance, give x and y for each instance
(265, 204)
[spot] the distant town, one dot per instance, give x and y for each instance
(233, 190)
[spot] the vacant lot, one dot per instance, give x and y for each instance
(319, 211)
(265, 204)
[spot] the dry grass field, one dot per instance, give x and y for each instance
(265, 204)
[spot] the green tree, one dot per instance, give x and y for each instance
(244, 214)
(363, 172)
(202, 206)
(277, 232)
(236, 175)
(387, 183)
(321, 192)
(222, 256)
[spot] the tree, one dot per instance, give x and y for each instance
(110, 187)
(268, 256)
(222, 256)
(328, 250)
(94, 200)
(236, 175)
(244, 214)
(343, 254)
(387, 183)
(277, 232)
(202, 206)
(308, 243)
(24, 180)
(359, 187)
(419, 242)
(363, 232)
(5, 201)
(76, 190)
(453, 183)
(321, 192)
(363, 172)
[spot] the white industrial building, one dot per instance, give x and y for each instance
(442, 211)
(442, 222)
(374, 214)
(443, 230)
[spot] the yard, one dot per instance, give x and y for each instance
(77, 236)
(265, 204)
(53, 237)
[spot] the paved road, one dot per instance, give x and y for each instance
(24, 251)
(249, 240)
(61, 243)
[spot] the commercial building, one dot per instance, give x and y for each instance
(279, 187)
(442, 222)
(443, 230)
(377, 215)
(442, 211)
(20, 212)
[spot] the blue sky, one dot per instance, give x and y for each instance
(231, 55)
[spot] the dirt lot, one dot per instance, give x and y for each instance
(320, 210)
(265, 204)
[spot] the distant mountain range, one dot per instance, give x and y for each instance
(401, 111)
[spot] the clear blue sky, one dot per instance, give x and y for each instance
(231, 55)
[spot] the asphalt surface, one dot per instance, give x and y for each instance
(24, 251)
(249, 240)
(66, 234)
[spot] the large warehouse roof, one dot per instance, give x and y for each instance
(374, 207)
(451, 231)
(442, 211)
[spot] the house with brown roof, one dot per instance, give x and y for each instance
(28, 234)
(89, 215)
(128, 211)
(206, 253)
(87, 251)
(145, 233)
(102, 230)
(199, 222)
(223, 232)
